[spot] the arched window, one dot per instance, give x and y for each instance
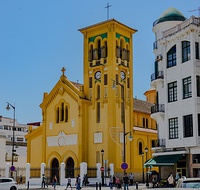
(99, 49)
(57, 115)
(62, 112)
(171, 57)
(98, 92)
(66, 113)
(185, 51)
(143, 122)
(90, 54)
(147, 123)
(140, 148)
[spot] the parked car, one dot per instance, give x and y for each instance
(188, 183)
(8, 184)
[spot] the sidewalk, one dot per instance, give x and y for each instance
(33, 187)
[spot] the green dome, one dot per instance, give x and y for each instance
(170, 14)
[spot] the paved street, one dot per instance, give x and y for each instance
(32, 187)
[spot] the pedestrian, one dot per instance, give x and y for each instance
(131, 177)
(20, 179)
(170, 180)
(119, 186)
(78, 182)
(43, 181)
(85, 180)
(111, 182)
(126, 181)
(114, 181)
(69, 183)
(54, 182)
(177, 177)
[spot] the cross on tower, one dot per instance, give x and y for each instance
(107, 7)
(63, 71)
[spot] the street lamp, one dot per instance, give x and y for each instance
(102, 170)
(147, 176)
(142, 153)
(123, 119)
(13, 137)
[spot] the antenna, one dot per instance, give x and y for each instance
(107, 7)
(196, 10)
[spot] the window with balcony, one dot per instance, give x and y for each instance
(172, 91)
(171, 57)
(187, 126)
(185, 51)
(173, 128)
(187, 88)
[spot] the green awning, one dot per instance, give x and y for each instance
(165, 160)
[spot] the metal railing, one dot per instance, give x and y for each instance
(157, 108)
(158, 75)
(158, 143)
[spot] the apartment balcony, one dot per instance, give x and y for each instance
(157, 110)
(156, 78)
(158, 143)
(9, 158)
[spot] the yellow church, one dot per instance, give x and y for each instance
(98, 121)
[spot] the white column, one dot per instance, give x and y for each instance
(83, 170)
(43, 165)
(7, 169)
(111, 169)
(28, 167)
(62, 173)
(98, 172)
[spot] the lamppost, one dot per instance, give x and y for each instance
(102, 170)
(147, 176)
(13, 137)
(142, 153)
(123, 119)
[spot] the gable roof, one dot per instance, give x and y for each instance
(141, 106)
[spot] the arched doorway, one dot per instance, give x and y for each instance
(69, 172)
(55, 168)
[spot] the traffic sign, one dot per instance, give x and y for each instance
(12, 168)
(124, 165)
(102, 168)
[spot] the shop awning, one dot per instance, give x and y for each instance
(165, 160)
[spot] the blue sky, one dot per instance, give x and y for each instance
(39, 37)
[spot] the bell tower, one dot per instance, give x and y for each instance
(108, 60)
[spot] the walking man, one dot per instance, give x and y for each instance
(126, 181)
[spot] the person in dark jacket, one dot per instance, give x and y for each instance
(126, 181)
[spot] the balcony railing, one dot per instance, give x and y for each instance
(158, 75)
(155, 45)
(158, 143)
(9, 158)
(157, 108)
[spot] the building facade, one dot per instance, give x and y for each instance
(6, 144)
(176, 80)
(82, 121)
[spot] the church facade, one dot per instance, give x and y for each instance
(82, 121)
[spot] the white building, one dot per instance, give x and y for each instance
(177, 81)
(6, 143)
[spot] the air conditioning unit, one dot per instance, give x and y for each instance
(159, 57)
